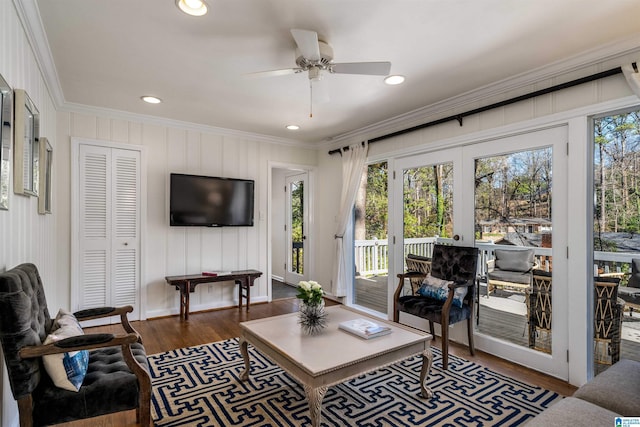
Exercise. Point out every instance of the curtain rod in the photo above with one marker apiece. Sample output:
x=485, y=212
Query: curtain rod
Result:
x=460, y=116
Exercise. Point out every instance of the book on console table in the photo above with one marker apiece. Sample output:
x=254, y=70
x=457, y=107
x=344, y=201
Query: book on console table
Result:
x=364, y=328
x=212, y=273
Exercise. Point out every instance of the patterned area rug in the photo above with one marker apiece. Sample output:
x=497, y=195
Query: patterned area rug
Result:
x=200, y=386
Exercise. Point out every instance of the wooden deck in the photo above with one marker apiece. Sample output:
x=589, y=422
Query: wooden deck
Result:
x=499, y=315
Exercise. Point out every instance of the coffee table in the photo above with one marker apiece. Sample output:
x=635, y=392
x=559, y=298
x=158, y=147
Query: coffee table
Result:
x=333, y=356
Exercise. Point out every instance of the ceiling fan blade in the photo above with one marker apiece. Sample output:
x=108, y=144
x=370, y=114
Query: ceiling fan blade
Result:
x=273, y=73
x=371, y=68
x=307, y=42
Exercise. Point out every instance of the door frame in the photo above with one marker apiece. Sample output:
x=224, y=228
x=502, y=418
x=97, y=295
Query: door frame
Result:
x=75, y=233
x=298, y=176
x=311, y=174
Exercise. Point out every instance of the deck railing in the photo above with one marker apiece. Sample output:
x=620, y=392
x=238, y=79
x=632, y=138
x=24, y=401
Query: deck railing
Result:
x=372, y=256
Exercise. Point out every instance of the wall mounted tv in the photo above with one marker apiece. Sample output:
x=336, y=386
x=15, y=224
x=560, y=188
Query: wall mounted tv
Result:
x=208, y=201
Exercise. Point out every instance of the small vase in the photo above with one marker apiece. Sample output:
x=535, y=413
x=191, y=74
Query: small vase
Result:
x=312, y=318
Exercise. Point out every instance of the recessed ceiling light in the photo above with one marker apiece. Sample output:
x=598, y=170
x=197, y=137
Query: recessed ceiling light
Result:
x=394, y=80
x=151, y=99
x=293, y=127
x=192, y=7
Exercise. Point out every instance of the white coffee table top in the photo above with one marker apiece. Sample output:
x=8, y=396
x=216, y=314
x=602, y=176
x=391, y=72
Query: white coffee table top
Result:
x=332, y=348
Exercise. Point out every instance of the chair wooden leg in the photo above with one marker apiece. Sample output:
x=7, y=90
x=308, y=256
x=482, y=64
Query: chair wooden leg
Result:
x=144, y=405
x=25, y=408
x=445, y=346
x=472, y=347
x=432, y=329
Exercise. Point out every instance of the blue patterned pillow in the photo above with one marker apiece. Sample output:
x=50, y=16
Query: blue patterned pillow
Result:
x=67, y=370
x=438, y=289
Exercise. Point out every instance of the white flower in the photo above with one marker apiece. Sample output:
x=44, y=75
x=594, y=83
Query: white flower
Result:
x=315, y=286
x=305, y=285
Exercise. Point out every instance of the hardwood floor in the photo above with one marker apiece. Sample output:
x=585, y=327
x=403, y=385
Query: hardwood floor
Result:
x=169, y=333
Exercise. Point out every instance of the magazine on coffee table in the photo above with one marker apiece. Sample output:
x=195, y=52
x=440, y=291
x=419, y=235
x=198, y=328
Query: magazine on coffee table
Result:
x=364, y=328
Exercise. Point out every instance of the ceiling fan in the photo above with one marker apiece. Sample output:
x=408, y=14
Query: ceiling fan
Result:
x=315, y=57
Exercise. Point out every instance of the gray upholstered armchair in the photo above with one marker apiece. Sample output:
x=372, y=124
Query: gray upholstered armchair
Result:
x=117, y=377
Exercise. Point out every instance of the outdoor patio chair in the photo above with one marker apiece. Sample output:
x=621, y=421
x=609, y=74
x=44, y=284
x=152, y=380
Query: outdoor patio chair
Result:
x=539, y=313
x=446, y=295
x=417, y=269
x=510, y=269
x=608, y=312
x=631, y=293
x=48, y=388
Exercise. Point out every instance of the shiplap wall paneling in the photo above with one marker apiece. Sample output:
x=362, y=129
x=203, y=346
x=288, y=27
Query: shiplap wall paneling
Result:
x=211, y=151
x=160, y=297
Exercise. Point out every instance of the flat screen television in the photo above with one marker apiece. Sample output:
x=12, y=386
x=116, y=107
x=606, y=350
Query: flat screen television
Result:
x=209, y=201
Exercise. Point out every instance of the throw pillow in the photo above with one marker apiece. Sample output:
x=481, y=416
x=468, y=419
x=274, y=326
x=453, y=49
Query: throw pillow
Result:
x=67, y=370
x=438, y=289
x=516, y=260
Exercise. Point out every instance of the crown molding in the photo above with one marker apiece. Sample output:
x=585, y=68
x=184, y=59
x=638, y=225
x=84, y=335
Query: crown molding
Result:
x=71, y=107
x=29, y=16
x=601, y=54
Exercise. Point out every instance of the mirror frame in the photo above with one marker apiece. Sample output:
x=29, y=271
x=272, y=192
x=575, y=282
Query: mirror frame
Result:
x=46, y=164
x=26, y=149
x=6, y=141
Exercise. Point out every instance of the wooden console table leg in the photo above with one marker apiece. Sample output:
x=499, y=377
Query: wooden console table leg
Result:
x=239, y=282
x=244, y=291
x=244, y=375
x=314, y=397
x=427, y=360
x=249, y=282
x=186, y=289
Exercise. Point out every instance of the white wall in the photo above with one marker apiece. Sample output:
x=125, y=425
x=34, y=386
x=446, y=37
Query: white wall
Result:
x=184, y=250
x=26, y=236
x=571, y=107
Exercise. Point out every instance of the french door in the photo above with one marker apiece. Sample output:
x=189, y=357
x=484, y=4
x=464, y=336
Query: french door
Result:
x=502, y=193
x=297, y=213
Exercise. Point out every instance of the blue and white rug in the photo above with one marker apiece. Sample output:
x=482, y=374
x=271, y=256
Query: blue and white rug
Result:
x=200, y=386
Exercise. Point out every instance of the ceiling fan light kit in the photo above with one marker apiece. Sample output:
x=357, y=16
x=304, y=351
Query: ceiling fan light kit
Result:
x=192, y=7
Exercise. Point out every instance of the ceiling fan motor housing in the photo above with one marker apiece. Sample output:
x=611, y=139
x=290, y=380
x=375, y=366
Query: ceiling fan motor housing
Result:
x=326, y=56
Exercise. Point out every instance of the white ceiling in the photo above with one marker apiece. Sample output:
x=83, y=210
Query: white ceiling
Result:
x=108, y=53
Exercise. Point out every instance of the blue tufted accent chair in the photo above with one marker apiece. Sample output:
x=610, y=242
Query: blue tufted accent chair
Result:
x=453, y=263
x=117, y=378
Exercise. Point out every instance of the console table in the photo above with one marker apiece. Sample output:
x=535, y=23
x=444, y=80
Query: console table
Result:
x=187, y=284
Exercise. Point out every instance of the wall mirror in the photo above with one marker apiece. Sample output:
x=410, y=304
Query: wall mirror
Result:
x=44, y=184
x=26, y=149
x=6, y=140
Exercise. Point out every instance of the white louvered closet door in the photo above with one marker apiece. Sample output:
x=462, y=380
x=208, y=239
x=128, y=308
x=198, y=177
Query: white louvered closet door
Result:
x=109, y=228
